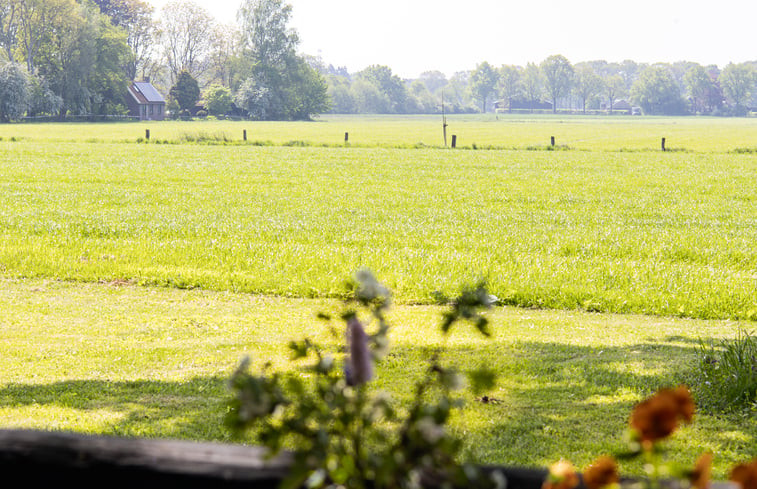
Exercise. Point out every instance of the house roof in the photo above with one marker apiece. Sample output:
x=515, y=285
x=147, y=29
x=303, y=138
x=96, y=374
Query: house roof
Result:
x=146, y=93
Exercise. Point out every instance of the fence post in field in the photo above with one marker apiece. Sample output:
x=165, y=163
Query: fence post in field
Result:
x=454, y=140
x=346, y=137
x=552, y=140
x=663, y=144
x=244, y=134
x=147, y=134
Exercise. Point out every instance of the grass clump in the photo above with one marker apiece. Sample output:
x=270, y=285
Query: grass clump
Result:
x=726, y=374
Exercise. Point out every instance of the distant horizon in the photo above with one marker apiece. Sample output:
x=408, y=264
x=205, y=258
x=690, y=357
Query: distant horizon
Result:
x=441, y=36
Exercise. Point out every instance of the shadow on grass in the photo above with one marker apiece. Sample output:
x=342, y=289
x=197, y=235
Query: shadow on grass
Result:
x=191, y=409
x=552, y=400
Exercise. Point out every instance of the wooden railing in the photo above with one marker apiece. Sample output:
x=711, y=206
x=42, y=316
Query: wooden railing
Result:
x=36, y=459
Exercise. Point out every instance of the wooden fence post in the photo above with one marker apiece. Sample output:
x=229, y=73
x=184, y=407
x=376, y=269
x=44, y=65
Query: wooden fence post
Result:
x=244, y=134
x=663, y=144
x=147, y=134
x=454, y=140
x=346, y=137
x=552, y=140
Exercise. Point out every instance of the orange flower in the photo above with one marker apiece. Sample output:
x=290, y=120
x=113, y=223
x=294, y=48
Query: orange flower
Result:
x=562, y=475
x=745, y=474
x=657, y=417
x=700, y=476
x=601, y=473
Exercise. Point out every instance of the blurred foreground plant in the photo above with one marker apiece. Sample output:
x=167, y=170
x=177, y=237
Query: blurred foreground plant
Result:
x=651, y=422
x=343, y=434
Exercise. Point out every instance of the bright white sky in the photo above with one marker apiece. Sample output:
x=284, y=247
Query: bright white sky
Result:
x=413, y=36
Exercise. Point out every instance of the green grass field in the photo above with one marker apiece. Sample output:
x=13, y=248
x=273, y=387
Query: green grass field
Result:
x=137, y=361
x=616, y=133
x=100, y=238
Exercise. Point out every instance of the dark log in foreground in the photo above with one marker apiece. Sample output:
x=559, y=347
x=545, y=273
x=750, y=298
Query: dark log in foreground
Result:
x=35, y=459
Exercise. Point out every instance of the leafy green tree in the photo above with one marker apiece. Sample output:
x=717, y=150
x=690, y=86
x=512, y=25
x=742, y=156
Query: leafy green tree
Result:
x=136, y=18
x=38, y=21
x=509, y=85
x=738, y=83
x=218, y=100
x=388, y=84
x=532, y=83
x=14, y=91
x=306, y=93
x=266, y=38
x=482, y=83
x=657, y=92
x=587, y=84
x=10, y=11
x=342, y=101
x=459, y=91
x=368, y=98
x=558, y=77
x=276, y=77
x=613, y=87
x=185, y=91
x=421, y=100
x=433, y=80
x=698, y=84
x=82, y=59
x=42, y=100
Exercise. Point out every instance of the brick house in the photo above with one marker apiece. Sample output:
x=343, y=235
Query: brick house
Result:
x=146, y=102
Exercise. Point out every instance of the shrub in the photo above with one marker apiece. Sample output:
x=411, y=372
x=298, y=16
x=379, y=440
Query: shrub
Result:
x=345, y=435
x=726, y=374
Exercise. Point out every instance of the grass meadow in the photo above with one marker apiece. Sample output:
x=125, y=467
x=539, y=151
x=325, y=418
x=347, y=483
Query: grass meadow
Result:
x=133, y=276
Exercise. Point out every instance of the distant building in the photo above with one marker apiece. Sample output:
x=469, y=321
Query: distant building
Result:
x=146, y=102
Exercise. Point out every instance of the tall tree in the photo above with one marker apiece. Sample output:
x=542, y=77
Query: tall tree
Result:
x=657, y=92
x=388, y=84
x=10, y=11
x=614, y=87
x=277, y=77
x=532, y=83
x=738, y=83
x=698, y=84
x=185, y=91
x=223, y=58
x=136, y=18
x=266, y=37
x=433, y=80
x=558, y=77
x=38, y=19
x=482, y=83
x=187, y=31
x=14, y=91
x=509, y=85
x=587, y=83
x=82, y=58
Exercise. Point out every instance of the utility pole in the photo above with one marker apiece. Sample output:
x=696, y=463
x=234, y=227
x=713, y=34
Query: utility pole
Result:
x=444, y=121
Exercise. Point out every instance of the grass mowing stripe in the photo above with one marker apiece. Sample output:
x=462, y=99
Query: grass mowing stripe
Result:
x=667, y=234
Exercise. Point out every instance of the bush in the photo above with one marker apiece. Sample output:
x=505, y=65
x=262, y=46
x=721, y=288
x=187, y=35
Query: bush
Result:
x=344, y=433
x=726, y=374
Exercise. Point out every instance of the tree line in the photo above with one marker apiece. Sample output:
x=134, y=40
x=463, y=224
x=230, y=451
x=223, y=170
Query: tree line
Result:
x=72, y=57
x=554, y=84
x=75, y=57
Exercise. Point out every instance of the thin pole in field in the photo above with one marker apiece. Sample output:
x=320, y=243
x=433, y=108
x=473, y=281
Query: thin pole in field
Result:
x=444, y=121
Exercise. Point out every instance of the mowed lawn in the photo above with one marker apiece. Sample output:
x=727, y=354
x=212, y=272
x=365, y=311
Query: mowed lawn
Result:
x=126, y=360
x=133, y=277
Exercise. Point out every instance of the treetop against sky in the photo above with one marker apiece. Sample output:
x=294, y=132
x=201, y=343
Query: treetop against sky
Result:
x=413, y=37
